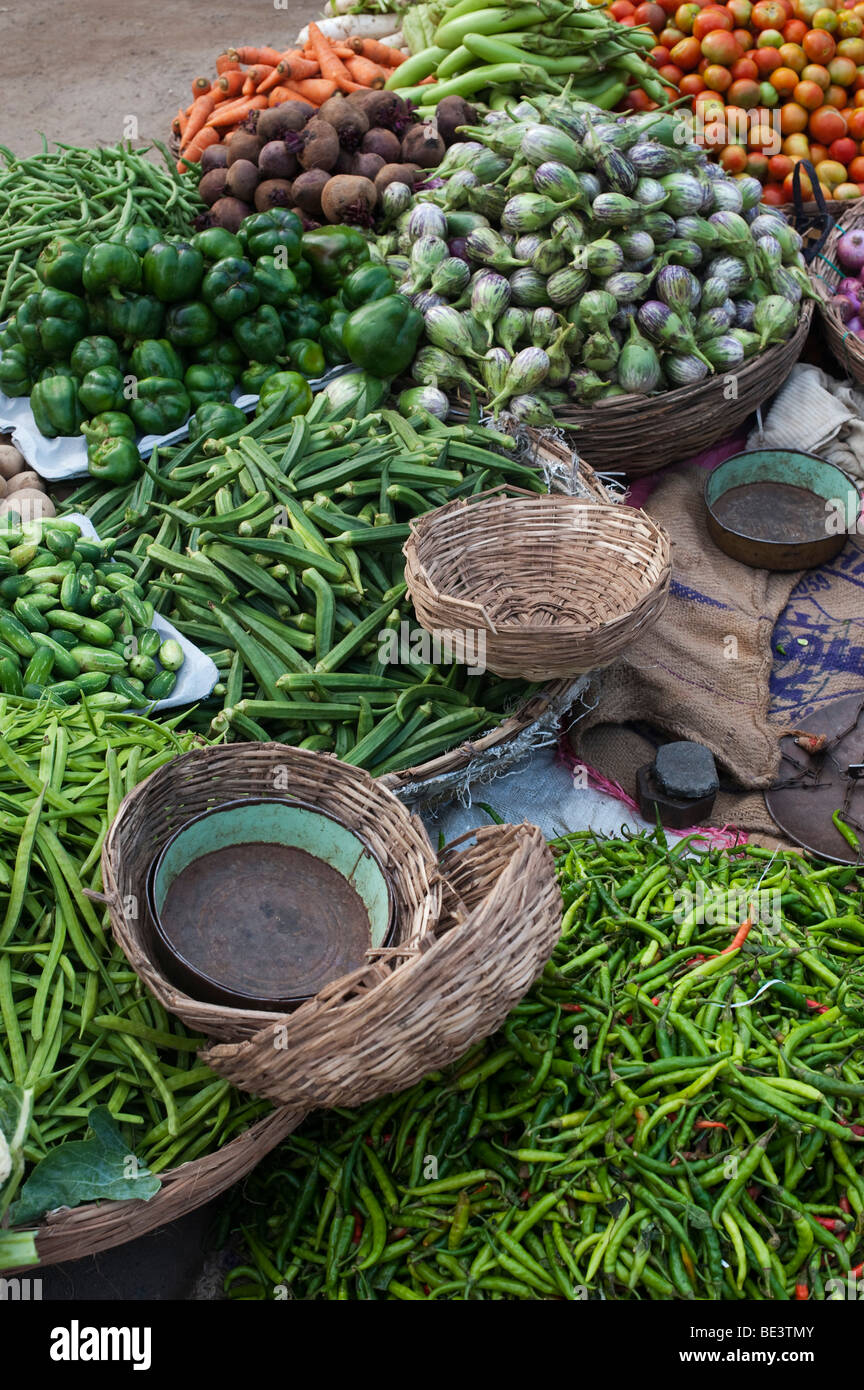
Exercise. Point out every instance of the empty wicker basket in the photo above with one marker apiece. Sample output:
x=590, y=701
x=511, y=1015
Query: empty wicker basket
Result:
x=553, y=585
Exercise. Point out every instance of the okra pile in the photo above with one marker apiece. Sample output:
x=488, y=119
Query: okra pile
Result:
x=674, y=1111
x=74, y=622
x=278, y=551
x=81, y=1039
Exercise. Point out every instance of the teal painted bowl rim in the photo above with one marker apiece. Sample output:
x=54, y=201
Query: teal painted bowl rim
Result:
x=711, y=495
x=191, y=976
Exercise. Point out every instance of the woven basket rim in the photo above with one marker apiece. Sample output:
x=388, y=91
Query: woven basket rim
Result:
x=848, y=350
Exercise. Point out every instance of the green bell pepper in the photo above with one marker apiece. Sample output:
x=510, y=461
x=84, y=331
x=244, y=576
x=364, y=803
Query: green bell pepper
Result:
x=138, y=238
x=155, y=357
x=382, y=336
x=216, y=420
x=172, y=271
x=307, y=357
x=208, y=383
x=217, y=244
x=264, y=231
x=303, y=270
x=130, y=317
x=333, y=252
x=161, y=405
x=15, y=374
x=60, y=264
x=102, y=389
x=223, y=352
x=277, y=285
x=110, y=423
x=303, y=319
x=259, y=335
x=190, y=325
x=97, y=351
x=56, y=407
x=51, y=322
x=331, y=339
x=110, y=267
x=229, y=289
x=296, y=391
x=366, y=283
x=115, y=460
x=255, y=375
x=58, y=369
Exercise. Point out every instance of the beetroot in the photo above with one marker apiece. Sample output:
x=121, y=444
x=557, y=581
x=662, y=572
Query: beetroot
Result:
x=243, y=145
x=367, y=165
x=214, y=157
x=308, y=189
x=349, y=200
x=212, y=186
x=273, y=193
x=228, y=213
x=276, y=161
x=383, y=142
x=242, y=180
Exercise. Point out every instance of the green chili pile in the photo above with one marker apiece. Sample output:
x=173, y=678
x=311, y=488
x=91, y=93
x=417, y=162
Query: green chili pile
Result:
x=78, y=1030
x=84, y=194
x=674, y=1111
x=278, y=550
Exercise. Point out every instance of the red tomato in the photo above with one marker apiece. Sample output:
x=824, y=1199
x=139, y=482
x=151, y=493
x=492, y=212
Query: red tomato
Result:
x=768, y=14
x=817, y=152
x=637, y=100
x=843, y=71
x=794, y=30
x=785, y=80
x=670, y=72
x=814, y=72
x=740, y=10
x=770, y=38
x=712, y=17
x=757, y=166
x=851, y=48
x=717, y=78
x=734, y=159
x=670, y=36
x=686, y=54
x=767, y=60
x=818, y=45
x=721, y=47
x=843, y=150
x=652, y=15
x=788, y=188
x=779, y=166
x=744, y=93
x=685, y=16
x=856, y=169
x=744, y=37
x=793, y=56
x=836, y=96
x=809, y=95
x=773, y=195
x=620, y=8
x=745, y=68
x=691, y=84
x=856, y=124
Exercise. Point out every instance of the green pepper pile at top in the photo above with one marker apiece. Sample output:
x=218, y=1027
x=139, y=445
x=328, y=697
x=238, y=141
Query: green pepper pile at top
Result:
x=133, y=336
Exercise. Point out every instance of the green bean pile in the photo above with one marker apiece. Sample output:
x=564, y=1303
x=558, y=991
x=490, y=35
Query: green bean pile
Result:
x=279, y=552
x=665, y=1115
x=78, y=1027
x=84, y=194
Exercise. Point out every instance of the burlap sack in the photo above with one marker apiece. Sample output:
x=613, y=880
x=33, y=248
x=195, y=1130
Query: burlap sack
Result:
x=703, y=672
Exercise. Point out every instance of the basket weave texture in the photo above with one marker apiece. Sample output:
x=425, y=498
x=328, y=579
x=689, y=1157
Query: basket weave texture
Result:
x=636, y=435
x=381, y=1030
x=826, y=276
x=206, y=777
x=557, y=585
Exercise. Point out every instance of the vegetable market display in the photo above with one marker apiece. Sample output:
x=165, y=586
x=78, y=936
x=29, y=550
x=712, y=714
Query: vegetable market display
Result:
x=280, y=551
x=622, y=261
x=82, y=1042
x=674, y=1111
x=779, y=81
x=83, y=194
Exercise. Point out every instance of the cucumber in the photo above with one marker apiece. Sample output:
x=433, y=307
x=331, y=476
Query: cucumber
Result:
x=66, y=639
x=40, y=601
x=103, y=601
x=15, y=635
x=114, y=618
x=28, y=616
x=149, y=641
x=7, y=566
x=65, y=664
x=60, y=543
x=90, y=550
x=171, y=655
x=23, y=554
x=40, y=667
x=68, y=692
x=70, y=592
x=15, y=585
x=161, y=686
x=144, y=667
x=118, y=581
x=51, y=574
x=133, y=695
x=138, y=609
x=99, y=659
x=91, y=682
x=90, y=630
x=10, y=678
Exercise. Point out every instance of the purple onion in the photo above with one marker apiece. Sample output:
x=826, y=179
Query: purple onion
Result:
x=850, y=286
x=850, y=251
x=855, y=326
x=846, y=307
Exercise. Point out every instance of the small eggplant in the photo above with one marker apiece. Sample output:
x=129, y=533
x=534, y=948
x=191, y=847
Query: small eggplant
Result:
x=490, y=296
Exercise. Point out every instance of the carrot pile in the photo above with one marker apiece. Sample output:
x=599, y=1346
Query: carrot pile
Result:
x=249, y=79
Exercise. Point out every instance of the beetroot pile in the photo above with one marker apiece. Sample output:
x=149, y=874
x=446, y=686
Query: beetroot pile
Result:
x=849, y=296
x=330, y=164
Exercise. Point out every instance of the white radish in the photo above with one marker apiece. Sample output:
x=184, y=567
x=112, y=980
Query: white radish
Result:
x=363, y=26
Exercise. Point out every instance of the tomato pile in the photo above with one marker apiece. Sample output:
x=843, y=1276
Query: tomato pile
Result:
x=773, y=83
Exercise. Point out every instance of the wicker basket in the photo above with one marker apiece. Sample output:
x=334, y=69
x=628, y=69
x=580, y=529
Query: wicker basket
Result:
x=196, y=781
x=556, y=585
x=825, y=274
x=70, y=1234
x=381, y=1029
x=636, y=435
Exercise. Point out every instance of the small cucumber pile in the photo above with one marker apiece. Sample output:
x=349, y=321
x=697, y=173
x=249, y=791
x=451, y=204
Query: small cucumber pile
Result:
x=74, y=622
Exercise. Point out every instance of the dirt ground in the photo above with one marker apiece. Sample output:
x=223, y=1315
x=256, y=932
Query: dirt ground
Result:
x=100, y=63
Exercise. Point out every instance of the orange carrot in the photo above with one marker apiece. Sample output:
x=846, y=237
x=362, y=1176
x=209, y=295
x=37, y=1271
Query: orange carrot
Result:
x=284, y=93
x=427, y=81
x=228, y=86
x=196, y=147
x=200, y=85
x=366, y=73
x=377, y=52
x=258, y=55
x=332, y=68
x=232, y=113
x=178, y=125
x=255, y=75
x=201, y=109
x=342, y=51
x=316, y=90
x=227, y=62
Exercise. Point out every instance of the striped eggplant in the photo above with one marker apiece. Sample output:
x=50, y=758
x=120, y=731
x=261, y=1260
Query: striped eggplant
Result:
x=659, y=225
x=395, y=199
x=566, y=285
x=792, y=282
x=487, y=198
x=616, y=209
x=435, y=366
x=520, y=181
x=541, y=143
x=602, y=257
x=724, y=352
x=615, y=168
x=648, y=157
x=684, y=194
x=596, y=310
x=527, y=369
x=685, y=253
x=476, y=332
x=711, y=323
x=733, y=233
x=446, y=328
x=531, y=410
x=638, y=366
x=683, y=369
x=450, y=277
x=715, y=292
x=460, y=155
x=636, y=245
x=698, y=230
x=428, y=398
x=623, y=316
x=678, y=287
x=726, y=196
x=774, y=319
x=750, y=190
x=749, y=341
x=570, y=228
x=528, y=212
x=427, y=252
x=600, y=352
x=488, y=248
x=666, y=327
x=426, y=299
x=550, y=256
x=544, y=326
x=732, y=271
x=525, y=247
x=493, y=369
x=650, y=192
x=627, y=285
x=490, y=296
x=427, y=220
x=489, y=166
x=561, y=184
x=528, y=290
x=512, y=327
x=455, y=195
x=559, y=357
x=586, y=386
